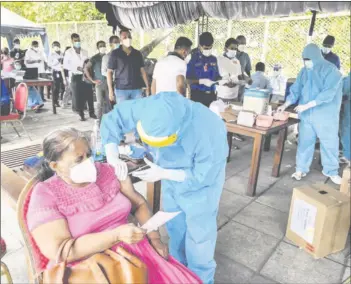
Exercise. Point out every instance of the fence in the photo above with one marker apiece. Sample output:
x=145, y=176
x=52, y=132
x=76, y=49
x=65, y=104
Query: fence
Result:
x=271, y=40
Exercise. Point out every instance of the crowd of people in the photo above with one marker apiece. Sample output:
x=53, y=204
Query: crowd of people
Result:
x=187, y=143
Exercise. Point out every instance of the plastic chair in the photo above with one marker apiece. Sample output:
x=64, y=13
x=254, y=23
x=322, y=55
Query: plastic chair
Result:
x=20, y=105
x=4, y=270
x=36, y=261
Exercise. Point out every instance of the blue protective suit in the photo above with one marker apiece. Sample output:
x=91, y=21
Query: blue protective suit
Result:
x=321, y=84
x=200, y=150
x=345, y=123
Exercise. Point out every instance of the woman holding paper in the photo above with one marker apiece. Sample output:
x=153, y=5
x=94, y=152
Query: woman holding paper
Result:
x=79, y=199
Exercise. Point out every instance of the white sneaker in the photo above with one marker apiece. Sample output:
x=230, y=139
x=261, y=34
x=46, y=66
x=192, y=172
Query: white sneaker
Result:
x=335, y=179
x=298, y=175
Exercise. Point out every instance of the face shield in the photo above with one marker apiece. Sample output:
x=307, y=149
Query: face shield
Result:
x=157, y=142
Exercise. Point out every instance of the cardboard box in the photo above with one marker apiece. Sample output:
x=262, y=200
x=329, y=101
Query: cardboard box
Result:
x=319, y=219
x=345, y=183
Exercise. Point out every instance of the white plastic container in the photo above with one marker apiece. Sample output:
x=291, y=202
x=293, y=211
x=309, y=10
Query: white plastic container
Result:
x=256, y=100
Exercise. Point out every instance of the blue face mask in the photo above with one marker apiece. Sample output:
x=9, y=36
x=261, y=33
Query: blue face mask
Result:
x=117, y=45
x=77, y=44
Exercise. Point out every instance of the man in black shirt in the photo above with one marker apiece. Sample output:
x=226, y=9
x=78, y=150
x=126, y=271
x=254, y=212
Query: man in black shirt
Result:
x=128, y=65
x=17, y=53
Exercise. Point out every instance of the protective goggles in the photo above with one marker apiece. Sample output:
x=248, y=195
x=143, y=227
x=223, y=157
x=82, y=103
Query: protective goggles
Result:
x=156, y=141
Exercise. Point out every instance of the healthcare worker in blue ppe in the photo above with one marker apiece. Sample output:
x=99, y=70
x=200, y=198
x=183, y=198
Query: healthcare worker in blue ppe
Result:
x=318, y=91
x=188, y=144
x=345, y=122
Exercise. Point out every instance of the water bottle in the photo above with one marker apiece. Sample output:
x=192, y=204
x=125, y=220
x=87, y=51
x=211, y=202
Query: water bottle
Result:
x=96, y=145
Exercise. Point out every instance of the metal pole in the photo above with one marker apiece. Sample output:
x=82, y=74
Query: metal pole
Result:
x=313, y=21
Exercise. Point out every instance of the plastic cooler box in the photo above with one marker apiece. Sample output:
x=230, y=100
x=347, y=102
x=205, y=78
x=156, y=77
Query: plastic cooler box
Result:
x=256, y=100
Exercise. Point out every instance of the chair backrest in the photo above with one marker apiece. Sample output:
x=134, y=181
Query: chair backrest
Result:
x=21, y=98
x=37, y=261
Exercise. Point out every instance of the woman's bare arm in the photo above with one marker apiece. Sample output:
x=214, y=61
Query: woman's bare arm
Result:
x=140, y=208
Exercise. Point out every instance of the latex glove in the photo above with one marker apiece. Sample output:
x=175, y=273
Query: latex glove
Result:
x=282, y=108
x=156, y=173
x=112, y=156
x=206, y=82
x=223, y=81
x=302, y=108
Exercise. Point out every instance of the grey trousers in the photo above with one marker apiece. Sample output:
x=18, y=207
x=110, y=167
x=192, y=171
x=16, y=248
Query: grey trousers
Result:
x=103, y=101
x=67, y=95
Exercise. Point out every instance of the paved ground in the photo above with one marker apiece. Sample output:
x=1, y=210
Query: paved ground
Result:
x=251, y=245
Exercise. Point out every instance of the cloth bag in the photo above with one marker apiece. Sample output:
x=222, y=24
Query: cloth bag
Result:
x=107, y=267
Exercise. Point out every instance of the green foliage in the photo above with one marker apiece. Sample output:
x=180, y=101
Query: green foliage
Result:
x=43, y=12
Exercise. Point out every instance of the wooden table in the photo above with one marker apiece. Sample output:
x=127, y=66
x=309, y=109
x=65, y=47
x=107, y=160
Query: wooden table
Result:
x=259, y=134
x=14, y=177
x=41, y=82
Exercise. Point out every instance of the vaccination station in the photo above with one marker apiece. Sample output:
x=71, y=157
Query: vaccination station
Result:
x=169, y=142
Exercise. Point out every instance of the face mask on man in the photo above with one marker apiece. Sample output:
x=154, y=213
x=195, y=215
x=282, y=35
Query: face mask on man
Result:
x=77, y=44
x=188, y=58
x=231, y=53
x=57, y=48
x=35, y=48
x=116, y=46
x=102, y=50
x=207, y=52
x=127, y=42
x=84, y=172
x=18, y=67
x=308, y=64
x=326, y=50
x=277, y=72
x=17, y=46
x=242, y=47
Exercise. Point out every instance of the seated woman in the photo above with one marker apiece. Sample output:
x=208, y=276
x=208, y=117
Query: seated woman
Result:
x=35, y=101
x=80, y=199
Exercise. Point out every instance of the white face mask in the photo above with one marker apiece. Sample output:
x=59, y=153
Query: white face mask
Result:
x=18, y=67
x=35, y=48
x=127, y=42
x=308, y=64
x=326, y=50
x=84, y=172
x=56, y=48
x=17, y=46
x=207, y=52
x=188, y=58
x=102, y=50
x=277, y=72
x=242, y=47
x=231, y=53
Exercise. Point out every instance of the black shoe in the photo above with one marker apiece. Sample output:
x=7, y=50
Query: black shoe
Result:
x=44, y=100
x=93, y=116
x=82, y=118
x=57, y=105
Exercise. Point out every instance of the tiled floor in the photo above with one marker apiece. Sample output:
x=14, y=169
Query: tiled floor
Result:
x=251, y=246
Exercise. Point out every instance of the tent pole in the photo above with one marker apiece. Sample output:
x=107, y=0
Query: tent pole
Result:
x=313, y=21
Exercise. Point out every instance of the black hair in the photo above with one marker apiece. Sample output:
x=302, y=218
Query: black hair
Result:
x=16, y=40
x=54, y=145
x=124, y=31
x=74, y=35
x=231, y=41
x=56, y=43
x=100, y=41
x=112, y=38
x=260, y=66
x=239, y=37
x=206, y=39
x=34, y=42
x=5, y=51
x=183, y=43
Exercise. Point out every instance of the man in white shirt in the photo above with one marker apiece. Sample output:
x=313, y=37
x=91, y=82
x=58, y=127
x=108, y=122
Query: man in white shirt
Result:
x=82, y=92
x=35, y=58
x=229, y=69
x=278, y=83
x=170, y=72
x=55, y=62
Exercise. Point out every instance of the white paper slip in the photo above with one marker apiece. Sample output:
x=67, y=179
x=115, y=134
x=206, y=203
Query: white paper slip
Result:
x=159, y=219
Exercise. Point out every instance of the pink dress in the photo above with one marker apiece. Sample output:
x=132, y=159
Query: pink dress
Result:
x=98, y=207
x=6, y=64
